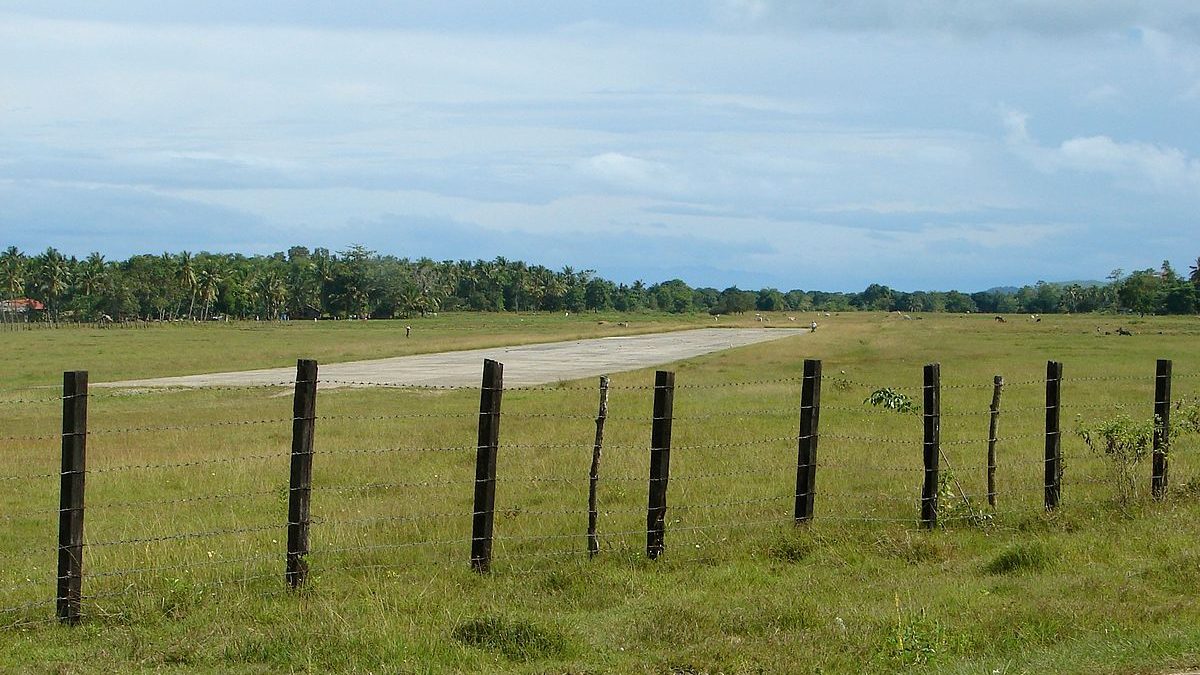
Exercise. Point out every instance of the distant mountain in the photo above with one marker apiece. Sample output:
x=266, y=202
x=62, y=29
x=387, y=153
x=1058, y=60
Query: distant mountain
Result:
x=1086, y=283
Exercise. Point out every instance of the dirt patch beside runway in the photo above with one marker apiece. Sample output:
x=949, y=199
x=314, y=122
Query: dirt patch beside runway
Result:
x=524, y=365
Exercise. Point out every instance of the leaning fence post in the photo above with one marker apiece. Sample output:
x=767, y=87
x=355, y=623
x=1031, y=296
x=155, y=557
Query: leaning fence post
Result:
x=304, y=414
x=993, y=423
x=69, y=596
x=660, y=462
x=932, y=417
x=485, y=465
x=594, y=470
x=1053, y=477
x=1162, y=428
x=806, y=457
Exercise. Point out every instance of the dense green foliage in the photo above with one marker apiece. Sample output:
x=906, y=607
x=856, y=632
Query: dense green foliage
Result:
x=362, y=283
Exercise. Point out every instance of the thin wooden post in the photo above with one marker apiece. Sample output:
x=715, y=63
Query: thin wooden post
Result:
x=69, y=596
x=932, y=417
x=993, y=425
x=1053, y=477
x=483, y=515
x=594, y=471
x=1162, y=428
x=304, y=418
x=660, y=462
x=806, y=457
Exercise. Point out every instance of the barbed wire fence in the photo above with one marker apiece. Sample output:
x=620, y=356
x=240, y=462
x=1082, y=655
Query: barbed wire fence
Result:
x=406, y=478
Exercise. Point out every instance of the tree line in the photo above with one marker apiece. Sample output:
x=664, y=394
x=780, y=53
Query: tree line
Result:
x=359, y=283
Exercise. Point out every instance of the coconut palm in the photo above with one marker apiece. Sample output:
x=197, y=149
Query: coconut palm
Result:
x=54, y=274
x=208, y=283
x=90, y=274
x=185, y=274
x=271, y=292
x=12, y=272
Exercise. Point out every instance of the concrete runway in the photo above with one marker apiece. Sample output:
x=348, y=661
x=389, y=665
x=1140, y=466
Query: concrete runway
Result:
x=525, y=365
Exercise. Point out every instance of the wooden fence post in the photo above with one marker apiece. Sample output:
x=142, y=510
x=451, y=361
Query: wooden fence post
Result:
x=993, y=424
x=594, y=470
x=304, y=417
x=806, y=457
x=483, y=515
x=1162, y=428
x=932, y=417
x=69, y=596
x=660, y=462
x=1053, y=477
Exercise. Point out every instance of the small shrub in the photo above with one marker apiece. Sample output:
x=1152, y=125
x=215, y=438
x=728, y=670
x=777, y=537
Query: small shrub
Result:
x=515, y=640
x=1125, y=443
x=890, y=399
x=1020, y=558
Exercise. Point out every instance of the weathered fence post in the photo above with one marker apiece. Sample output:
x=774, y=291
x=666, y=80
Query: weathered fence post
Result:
x=660, y=462
x=594, y=471
x=993, y=424
x=1053, y=477
x=304, y=418
x=806, y=457
x=1162, y=428
x=69, y=596
x=483, y=515
x=932, y=417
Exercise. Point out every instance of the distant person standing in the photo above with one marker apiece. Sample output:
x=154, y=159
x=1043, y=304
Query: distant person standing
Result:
x=812, y=328
x=408, y=331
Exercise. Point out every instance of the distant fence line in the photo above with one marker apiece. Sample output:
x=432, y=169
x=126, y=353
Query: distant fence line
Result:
x=805, y=502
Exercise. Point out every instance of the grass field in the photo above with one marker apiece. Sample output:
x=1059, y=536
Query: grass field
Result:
x=187, y=495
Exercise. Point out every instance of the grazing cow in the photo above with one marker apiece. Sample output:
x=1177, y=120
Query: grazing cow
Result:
x=1001, y=319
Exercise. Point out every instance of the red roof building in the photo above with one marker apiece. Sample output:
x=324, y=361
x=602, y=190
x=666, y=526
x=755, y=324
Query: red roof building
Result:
x=21, y=305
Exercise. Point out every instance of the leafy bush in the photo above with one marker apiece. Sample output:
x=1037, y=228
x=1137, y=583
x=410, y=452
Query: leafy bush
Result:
x=1125, y=442
x=890, y=399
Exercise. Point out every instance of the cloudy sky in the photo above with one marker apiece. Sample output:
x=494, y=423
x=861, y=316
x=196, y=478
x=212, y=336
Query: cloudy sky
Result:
x=800, y=144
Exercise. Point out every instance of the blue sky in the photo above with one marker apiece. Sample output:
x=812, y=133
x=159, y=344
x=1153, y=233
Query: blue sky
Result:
x=958, y=144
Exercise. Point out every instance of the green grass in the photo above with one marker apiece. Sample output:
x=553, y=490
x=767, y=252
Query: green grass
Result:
x=1090, y=588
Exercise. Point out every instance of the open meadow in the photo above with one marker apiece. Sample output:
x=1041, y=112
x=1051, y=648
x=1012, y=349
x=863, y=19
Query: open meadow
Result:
x=187, y=495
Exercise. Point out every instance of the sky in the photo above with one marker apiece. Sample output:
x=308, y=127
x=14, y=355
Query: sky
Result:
x=820, y=144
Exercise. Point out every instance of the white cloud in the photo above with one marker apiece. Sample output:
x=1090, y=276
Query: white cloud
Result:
x=1138, y=165
x=640, y=175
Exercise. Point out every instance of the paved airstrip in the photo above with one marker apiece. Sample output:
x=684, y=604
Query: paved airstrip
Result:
x=524, y=365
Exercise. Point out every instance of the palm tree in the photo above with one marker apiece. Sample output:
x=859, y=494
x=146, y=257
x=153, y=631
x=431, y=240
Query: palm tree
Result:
x=54, y=274
x=323, y=269
x=90, y=274
x=12, y=272
x=208, y=282
x=271, y=292
x=185, y=274
x=1194, y=277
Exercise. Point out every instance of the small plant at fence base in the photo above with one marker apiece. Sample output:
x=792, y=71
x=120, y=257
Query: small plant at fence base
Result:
x=955, y=504
x=1125, y=442
x=890, y=399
